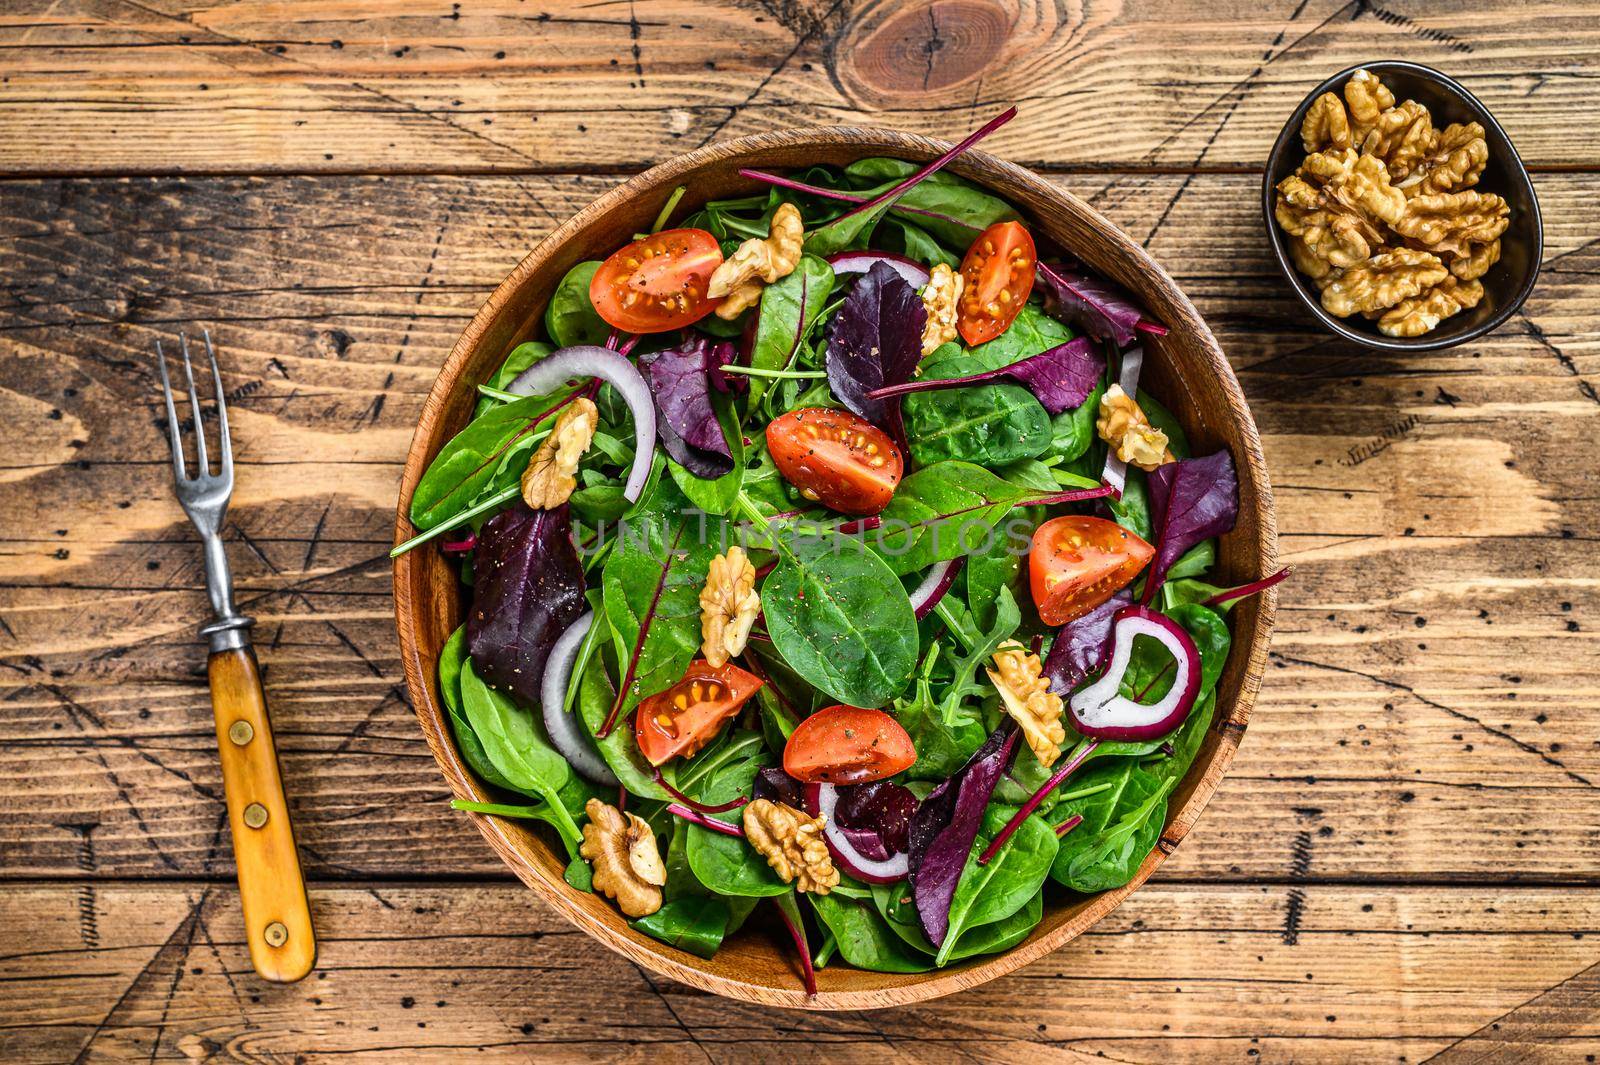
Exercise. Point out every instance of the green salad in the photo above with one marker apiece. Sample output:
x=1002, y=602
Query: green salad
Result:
x=825, y=550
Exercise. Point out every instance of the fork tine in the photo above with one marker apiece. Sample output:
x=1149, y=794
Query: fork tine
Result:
x=223, y=441
x=194, y=404
x=172, y=417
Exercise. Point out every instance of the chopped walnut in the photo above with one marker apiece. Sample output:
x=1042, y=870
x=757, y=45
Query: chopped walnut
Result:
x=939, y=298
x=729, y=604
x=793, y=845
x=1326, y=125
x=548, y=481
x=1473, y=263
x=1402, y=138
x=1451, y=222
x=1383, y=281
x=1026, y=695
x=1456, y=162
x=1122, y=424
x=1419, y=314
x=627, y=865
x=1319, y=270
x=1367, y=97
x=757, y=263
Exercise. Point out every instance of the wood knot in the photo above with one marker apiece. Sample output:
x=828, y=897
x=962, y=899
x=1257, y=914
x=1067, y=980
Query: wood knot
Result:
x=902, y=52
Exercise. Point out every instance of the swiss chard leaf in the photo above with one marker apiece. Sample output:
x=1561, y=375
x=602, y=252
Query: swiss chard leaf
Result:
x=789, y=310
x=875, y=340
x=570, y=318
x=942, y=511
x=993, y=892
x=1190, y=500
x=527, y=589
x=680, y=384
x=1080, y=645
x=841, y=620
x=471, y=459
x=1059, y=378
x=989, y=424
x=1096, y=306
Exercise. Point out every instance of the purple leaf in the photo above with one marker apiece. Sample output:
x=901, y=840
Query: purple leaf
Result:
x=1060, y=378
x=1080, y=645
x=876, y=341
x=1190, y=500
x=876, y=817
x=681, y=380
x=946, y=826
x=1098, y=307
x=527, y=589
x=774, y=785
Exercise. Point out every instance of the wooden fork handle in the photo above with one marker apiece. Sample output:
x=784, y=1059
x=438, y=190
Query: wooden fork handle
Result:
x=277, y=916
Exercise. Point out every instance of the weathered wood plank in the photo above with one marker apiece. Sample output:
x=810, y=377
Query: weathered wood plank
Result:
x=1431, y=714
x=1177, y=974
x=104, y=86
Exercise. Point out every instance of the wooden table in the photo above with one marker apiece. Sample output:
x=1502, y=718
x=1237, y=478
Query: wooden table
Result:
x=1402, y=865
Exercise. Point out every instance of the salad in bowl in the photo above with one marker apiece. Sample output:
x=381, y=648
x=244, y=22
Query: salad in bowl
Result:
x=825, y=551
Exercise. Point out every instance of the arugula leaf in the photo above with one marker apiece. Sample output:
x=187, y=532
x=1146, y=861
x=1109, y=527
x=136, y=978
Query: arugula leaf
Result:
x=789, y=310
x=941, y=748
x=965, y=669
x=570, y=318
x=1032, y=333
x=841, y=620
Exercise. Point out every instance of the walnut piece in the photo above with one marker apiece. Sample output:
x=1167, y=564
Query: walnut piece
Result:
x=1358, y=183
x=627, y=865
x=1339, y=238
x=1456, y=162
x=1452, y=222
x=1326, y=125
x=757, y=263
x=939, y=298
x=1122, y=424
x=1419, y=314
x=548, y=481
x=1383, y=281
x=1473, y=263
x=1402, y=138
x=1367, y=97
x=1026, y=696
x=1319, y=270
x=793, y=845
x=729, y=604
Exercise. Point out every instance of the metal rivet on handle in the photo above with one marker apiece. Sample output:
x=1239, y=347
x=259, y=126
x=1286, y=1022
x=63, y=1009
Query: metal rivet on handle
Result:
x=241, y=733
x=276, y=934
x=255, y=815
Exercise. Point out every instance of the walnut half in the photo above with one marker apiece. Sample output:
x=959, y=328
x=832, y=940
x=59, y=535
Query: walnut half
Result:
x=793, y=845
x=1419, y=314
x=939, y=298
x=758, y=262
x=1026, y=695
x=549, y=479
x=627, y=865
x=729, y=604
x=1383, y=281
x=1122, y=425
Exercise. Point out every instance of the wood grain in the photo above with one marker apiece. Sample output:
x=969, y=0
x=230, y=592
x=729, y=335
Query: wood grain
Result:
x=107, y=86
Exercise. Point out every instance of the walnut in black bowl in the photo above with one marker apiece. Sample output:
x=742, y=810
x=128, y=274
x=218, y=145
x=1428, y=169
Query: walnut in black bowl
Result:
x=1411, y=222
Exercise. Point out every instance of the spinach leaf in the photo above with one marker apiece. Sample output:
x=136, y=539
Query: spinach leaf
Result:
x=470, y=460
x=1000, y=567
x=789, y=310
x=863, y=936
x=1000, y=935
x=1195, y=561
x=695, y=923
x=725, y=864
x=1033, y=332
x=1072, y=431
x=1108, y=856
x=1132, y=510
x=1187, y=740
x=516, y=747
x=942, y=511
x=959, y=209
x=1211, y=639
x=989, y=424
x=570, y=318
x=452, y=656
x=522, y=356
x=841, y=620
x=620, y=749
x=1163, y=419
x=993, y=892
x=905, y=237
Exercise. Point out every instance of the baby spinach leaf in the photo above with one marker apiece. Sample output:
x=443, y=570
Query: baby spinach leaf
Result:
x=993, y=892
x=452, y=656
x=522, y=356
x=725, y=864
x=1167, y=422
x=996, y=936
x=989, y=424
x=1211, y=639
x=1032, y=333
x=1187, y=740
x=841, y=620
x=1132, y=509
x=467, y=463
x=905, y=237
x=570, y=318
x=620, y=749
x=863, y=936
x=789, y=310
x=942, y=511
x=515, y=745
x=695, y=923
x=1108, y=856
x=1195, y=561
x=1072, y=431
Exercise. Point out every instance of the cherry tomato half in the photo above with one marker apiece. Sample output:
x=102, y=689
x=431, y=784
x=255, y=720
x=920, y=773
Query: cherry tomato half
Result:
x=843, y=462
x=1076, y=563
x=658, y=282
x=688, y=715
x=847, y=745
x=998, y=272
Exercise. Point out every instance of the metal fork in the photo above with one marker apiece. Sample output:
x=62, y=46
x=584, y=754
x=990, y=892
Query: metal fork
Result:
x=276, y=914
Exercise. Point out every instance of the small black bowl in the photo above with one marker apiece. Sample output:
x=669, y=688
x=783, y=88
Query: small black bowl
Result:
x=1507, y=283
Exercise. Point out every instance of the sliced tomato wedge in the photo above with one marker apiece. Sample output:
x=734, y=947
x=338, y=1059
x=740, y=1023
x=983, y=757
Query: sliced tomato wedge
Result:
x=658, y=282
x=847, y=745
x=835, y=458
x=1076, y=563
x=998, y=275
x=688, y=715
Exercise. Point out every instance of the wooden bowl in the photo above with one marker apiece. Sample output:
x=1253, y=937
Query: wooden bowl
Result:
x=1185, y=369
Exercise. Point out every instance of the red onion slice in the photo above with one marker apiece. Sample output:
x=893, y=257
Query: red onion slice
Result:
x=1098, y=710
x=566, y=731
x=859, y=262
x=1116, y=472
x=926, y=596
x=821, y=800
x=585, y=360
